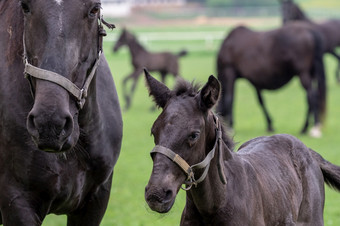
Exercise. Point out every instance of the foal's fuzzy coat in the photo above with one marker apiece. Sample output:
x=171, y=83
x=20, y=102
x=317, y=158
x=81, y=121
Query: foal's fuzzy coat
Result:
x=273, y=180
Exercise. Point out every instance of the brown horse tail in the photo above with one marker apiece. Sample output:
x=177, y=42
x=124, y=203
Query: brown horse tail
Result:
x=182, y=53
x=319, y=71
x=331, y=172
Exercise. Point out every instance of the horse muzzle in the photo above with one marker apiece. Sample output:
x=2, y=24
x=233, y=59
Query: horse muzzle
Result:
x=158, y=199
x=54, y=133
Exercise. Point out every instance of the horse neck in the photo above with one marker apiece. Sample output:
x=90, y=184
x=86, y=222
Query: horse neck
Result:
x=302, y=16
x=11, y=19
x=135, y=47
x=11, y=47
x=89, y=113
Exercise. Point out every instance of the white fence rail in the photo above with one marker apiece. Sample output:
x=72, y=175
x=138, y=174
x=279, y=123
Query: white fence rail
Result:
x=208, y=38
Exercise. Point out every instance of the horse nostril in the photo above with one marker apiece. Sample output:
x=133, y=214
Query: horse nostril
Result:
x=31, y=126
x=68, y=127
x=40, y=126
x=168, y=194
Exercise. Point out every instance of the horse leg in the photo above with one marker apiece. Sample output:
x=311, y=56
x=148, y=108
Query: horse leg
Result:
x=264, y=109
x=163, y=76
x=18, y=212
x=306, y=82
x=125, y=94
x=227, y=78
x=94, y=209
x=128, y=95
x=337, y=73
x=132, y=91
x=305, y=126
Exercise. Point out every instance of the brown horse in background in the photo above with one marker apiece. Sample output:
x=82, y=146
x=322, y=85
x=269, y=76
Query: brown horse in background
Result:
x=163, y=62
x=269, y=60
x=329, y=29
x=274, y=180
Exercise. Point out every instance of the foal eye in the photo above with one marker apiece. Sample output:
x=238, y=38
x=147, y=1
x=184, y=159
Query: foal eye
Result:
x=194, y=136
x=94, y=11
x=25, y=7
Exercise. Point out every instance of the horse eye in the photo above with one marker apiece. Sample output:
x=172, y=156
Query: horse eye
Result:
x=194, y=136
x=25, y=7
x=94, y=11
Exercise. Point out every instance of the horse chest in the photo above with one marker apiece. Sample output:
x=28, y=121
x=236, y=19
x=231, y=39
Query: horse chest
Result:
x=64, y=182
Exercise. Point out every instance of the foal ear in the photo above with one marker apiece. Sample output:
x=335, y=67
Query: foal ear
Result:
x=210, y=93
x=160, y=93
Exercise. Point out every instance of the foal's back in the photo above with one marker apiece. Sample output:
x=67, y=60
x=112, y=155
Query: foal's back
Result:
x=162, y=61
x=285, y=177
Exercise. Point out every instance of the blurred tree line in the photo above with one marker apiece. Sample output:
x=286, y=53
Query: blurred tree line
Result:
x=218, y=3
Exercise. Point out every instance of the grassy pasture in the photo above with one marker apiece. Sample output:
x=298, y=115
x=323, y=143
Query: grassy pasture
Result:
x=287, y=107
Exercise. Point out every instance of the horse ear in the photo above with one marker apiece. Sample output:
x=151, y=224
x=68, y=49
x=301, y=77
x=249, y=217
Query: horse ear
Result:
x=210, y=93
x=160, y=93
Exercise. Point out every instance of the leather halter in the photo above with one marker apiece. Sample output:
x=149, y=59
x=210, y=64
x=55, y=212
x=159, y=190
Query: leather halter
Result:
x=79, y=93
x=205, y=164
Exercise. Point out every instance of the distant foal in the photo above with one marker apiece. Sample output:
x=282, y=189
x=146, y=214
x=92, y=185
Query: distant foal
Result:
x=163, y=62
x=270, y=181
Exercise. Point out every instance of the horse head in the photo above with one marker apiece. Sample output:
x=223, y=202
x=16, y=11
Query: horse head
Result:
x=184, y=130
x=124, y=38
x=291, y=11
x=62, y=46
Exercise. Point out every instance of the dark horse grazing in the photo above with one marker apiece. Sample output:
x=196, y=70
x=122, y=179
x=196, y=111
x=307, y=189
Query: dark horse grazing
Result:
x=272, y=180
x=329, y=29
x=163, y=62
x=269, y=60
x=58, y=142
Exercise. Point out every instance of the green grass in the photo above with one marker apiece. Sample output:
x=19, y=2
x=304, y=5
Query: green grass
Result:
x=287, y=107
x=316, y=9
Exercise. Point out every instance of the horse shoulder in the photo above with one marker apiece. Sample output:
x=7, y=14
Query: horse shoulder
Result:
x=103, y=135
x=237, y=36
x=243, y=46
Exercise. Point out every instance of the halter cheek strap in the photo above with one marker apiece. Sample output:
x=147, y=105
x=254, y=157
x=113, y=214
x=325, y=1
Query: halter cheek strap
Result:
x=79, y=93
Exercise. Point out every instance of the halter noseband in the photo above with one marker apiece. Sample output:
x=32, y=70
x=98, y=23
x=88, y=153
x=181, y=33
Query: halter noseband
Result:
x=79, y=93
x=205, y=164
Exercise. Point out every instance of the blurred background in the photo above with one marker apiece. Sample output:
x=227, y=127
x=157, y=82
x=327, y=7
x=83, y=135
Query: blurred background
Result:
x=199, y=26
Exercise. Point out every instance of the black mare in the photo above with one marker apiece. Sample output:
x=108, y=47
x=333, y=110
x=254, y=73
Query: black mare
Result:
x=60, y=129
x=271, y=180
x=163, y=62
x=330, y=29
x=269, y=60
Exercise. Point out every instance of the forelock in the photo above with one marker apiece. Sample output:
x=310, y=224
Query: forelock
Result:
x=184, y=87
